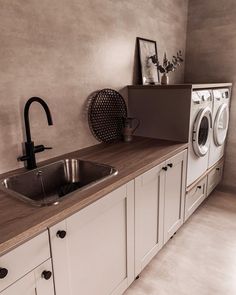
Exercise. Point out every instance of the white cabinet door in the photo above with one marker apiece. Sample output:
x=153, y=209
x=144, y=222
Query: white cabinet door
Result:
x=149, y=198
x=175, y=184
x=36, y=282
x=97, y=254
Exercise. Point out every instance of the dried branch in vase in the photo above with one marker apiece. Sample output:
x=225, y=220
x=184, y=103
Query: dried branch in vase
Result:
x=168, y=66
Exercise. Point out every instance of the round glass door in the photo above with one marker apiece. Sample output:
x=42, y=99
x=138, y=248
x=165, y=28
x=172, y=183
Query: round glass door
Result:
x=201, y=132
x=221, y=124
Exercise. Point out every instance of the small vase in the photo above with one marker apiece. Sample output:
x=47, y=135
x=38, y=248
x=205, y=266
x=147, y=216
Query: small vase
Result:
x=165, y=79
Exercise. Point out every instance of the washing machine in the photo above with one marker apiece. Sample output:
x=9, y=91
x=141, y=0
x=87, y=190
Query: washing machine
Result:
x=200, y=133
x=220, y=116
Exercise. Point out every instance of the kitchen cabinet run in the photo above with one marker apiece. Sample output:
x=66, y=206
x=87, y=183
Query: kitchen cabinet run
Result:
x=93, y=250
x=101, y=248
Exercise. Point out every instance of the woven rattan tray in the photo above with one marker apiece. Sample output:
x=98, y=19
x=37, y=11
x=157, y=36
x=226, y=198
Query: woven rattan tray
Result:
x=106, y=113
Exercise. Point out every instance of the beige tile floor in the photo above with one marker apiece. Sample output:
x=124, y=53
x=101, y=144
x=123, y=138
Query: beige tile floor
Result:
x=201, y=257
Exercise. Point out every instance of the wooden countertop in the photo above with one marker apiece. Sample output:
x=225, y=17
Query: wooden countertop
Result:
x=20, y=221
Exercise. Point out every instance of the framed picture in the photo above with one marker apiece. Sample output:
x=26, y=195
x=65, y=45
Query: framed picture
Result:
x=149, y=72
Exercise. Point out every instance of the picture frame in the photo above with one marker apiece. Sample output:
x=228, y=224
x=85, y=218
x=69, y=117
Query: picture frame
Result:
x=149, y=71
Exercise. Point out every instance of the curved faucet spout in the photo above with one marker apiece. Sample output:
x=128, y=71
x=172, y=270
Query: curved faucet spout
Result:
x=26, y=114
x=30, y=148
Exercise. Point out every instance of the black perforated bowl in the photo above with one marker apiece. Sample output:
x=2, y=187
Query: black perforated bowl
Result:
x=105, y=115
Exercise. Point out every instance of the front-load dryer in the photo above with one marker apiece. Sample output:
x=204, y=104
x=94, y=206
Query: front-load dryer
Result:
x=200, y=132
x=220, y=115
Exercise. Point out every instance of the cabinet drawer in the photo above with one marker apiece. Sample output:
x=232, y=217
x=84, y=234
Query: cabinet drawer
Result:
x=195, y=197
x=33, y=283
x=214, y=177
x=24, y=258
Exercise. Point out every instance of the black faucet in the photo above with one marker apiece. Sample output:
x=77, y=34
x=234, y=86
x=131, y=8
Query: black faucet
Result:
x=30, y=149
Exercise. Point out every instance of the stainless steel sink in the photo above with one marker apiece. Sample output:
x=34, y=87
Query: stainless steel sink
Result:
x=50, y=184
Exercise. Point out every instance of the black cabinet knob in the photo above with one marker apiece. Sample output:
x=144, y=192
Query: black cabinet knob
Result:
x=170, y=165
x=46, y=274
x=217, y=169
x=164, y=168
x=61, y=234
x=3, y=272
x=199, y=186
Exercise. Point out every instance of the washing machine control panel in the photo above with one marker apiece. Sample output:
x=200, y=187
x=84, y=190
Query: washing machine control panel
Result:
x=220, y=94
x=201, y=96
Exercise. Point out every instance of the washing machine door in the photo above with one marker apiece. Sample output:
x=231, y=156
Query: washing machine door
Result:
x=221, y=124
x=202, y=131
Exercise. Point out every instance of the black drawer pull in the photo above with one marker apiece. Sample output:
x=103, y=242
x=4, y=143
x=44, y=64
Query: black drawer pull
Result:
x=61, y=234
x=164, y=168
x=199, y=186
x=3, y=272
x=46, y=274
x=170, y=165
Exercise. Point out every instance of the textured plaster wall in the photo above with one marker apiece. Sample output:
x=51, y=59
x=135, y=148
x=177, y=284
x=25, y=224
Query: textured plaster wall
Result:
x=64, y=50
x=211, y=48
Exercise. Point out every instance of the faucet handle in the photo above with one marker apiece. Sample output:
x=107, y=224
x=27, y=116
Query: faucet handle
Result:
x=22, y=158
x=48, y=148
x=41, y=148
